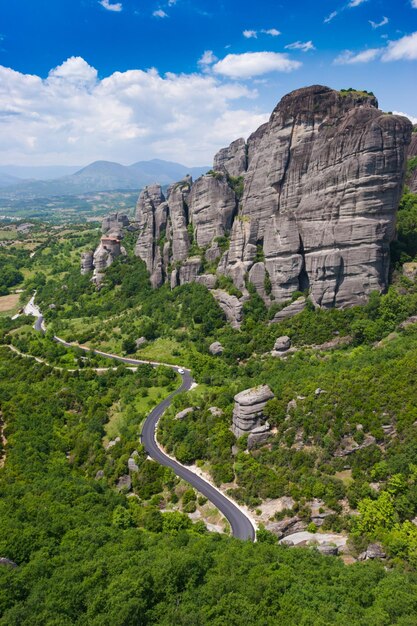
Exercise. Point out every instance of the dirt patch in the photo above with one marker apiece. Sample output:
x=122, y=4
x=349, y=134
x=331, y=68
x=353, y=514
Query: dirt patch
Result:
x=8, y=303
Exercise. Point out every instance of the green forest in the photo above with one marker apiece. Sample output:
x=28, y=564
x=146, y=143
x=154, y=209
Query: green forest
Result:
x=95, y=532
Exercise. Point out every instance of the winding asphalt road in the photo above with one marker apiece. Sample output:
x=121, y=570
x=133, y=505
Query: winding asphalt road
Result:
x=241, y=525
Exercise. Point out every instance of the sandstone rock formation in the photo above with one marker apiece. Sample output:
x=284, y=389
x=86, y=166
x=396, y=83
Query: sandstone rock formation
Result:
x=248, y=410
x=258, y=435
x=184, y=413
x=231, y=305
x=321, y=190
x=412, y=154
x=114, y=222
x=233, y=159
x=289, y=311
x=87, y=264
x=216, y=348
x=282, y=344
x=108, y=250
x=212, y=205
x=322, y=181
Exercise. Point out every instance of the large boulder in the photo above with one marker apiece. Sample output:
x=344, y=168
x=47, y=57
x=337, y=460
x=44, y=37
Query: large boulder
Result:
x=216, y=348
x=231, y=305
x=248, y=412
x=282, y=344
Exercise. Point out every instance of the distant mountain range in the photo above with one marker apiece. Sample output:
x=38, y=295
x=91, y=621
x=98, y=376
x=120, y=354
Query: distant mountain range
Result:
x=98, y=176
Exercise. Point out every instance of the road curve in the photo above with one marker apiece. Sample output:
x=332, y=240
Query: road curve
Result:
x=241, y=525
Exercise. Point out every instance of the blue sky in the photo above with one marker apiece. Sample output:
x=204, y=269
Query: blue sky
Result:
x=177, y=79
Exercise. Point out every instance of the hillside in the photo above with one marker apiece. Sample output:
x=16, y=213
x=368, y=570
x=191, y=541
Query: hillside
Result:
x=100, y=176
x=303, y=412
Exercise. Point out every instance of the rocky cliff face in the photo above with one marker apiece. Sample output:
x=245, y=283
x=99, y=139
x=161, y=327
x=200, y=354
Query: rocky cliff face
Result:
x=321, y=192
x=321, y=185
x=412, y=154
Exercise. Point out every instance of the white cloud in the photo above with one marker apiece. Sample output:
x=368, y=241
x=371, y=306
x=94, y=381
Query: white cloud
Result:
x=172, y=2
x=414, y=4
x=73, y=116
x=412, y=118
x=330, y=17
x=74, y=71
x=208, y=58
x=299, y=45
x=355, y=3
x=273, y=32
x=349, y=58
x=383, y=22
x=117, y=6
x=251, y=64
x=160, y=13
x=402, y=49
x=253, y=34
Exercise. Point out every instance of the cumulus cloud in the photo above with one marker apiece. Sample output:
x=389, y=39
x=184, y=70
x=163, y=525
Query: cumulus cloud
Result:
x=383, y=22
x=74, y=71
x=402, y=49
x=117, y=6
x=250, y=34
x=299, y=45
x=412, y=118
x=160, y=13
x=73, y=116
x=251, y=64
x=350, y=58
x=208, y=58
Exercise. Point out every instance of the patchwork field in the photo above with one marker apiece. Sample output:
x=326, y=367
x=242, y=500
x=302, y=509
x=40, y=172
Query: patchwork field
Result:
x=9, y=303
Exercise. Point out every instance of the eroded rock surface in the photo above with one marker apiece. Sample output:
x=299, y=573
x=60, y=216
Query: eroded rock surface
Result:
x=321, y=191
x=108, y=250
x=231, y=305
x=412, y=154
x=321, y=185
x=248, y=412
x=216, y=348
x=233, y=159
x=87, y=264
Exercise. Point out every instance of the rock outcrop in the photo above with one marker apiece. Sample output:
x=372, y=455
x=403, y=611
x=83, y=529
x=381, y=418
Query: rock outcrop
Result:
x=108, y=250
x=114, y=222
x=412, y=154
x=232, y=160
x=321, y=191
x=231, y=305
x=282, y=344
x=321, y=185
x=248, y=410
x=216, y=348
x=212, y=206
x=87, y=264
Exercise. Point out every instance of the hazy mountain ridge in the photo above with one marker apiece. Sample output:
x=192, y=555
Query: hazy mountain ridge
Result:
x=97, y=176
